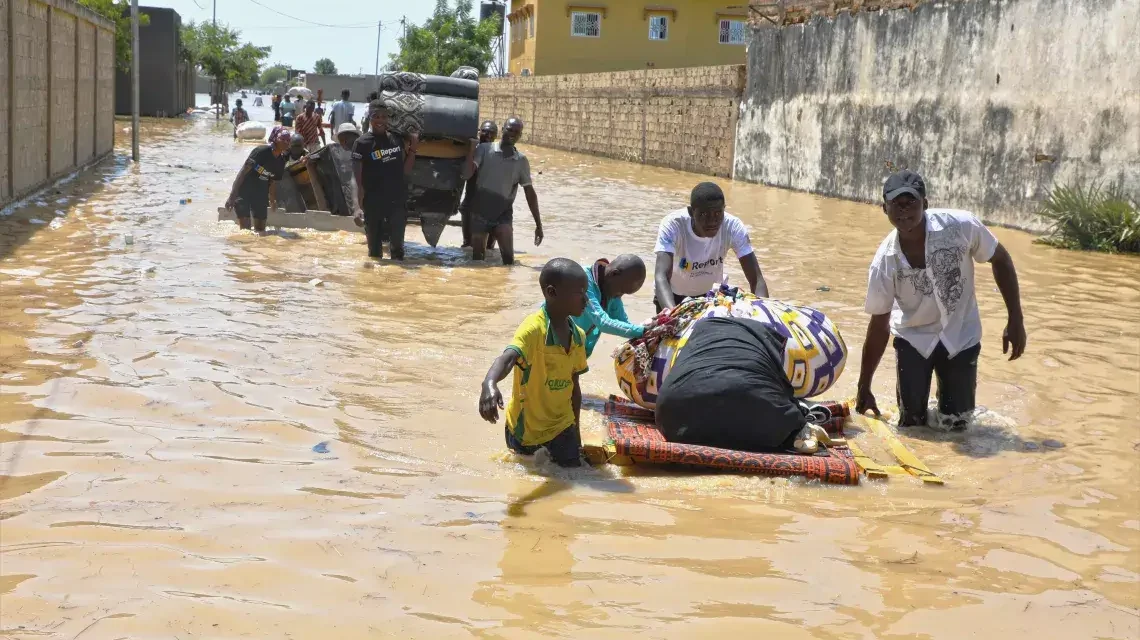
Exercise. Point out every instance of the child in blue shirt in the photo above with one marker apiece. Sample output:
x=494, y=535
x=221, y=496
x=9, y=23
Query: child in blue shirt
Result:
x=607, y=282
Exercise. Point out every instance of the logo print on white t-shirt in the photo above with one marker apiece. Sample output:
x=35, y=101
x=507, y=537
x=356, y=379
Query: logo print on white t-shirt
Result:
x=687, y=265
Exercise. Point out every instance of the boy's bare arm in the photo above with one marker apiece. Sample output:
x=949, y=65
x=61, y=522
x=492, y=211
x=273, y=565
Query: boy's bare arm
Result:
x=490, y=398
x=576, y=401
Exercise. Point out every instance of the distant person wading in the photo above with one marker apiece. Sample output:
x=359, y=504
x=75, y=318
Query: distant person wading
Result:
x=308, y=124
x=288, y=111
x=342, y=111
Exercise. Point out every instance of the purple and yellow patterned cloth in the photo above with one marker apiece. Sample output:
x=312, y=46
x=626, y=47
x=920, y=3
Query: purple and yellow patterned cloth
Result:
x=814, y=355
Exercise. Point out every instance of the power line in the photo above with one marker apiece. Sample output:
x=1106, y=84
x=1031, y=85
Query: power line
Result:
x=318, y=24
x=306, y=26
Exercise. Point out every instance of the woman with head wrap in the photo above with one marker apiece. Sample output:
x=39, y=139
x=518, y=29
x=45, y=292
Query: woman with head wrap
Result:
x=254, y=190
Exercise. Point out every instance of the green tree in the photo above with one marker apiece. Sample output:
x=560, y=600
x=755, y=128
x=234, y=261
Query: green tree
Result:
x=325, y=67
x=449, y=39
x=121, y=15
x=218, y=52
x=274, y=74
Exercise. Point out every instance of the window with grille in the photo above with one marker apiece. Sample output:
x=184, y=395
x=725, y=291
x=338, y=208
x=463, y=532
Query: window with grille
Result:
x=586, y=24
x=658, y=27
x=732, y=32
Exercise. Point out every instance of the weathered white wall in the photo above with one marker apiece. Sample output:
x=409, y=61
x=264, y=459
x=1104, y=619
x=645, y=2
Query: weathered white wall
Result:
x=992, y=100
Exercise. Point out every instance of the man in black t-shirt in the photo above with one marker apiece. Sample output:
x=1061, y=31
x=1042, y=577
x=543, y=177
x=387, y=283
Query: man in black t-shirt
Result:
x=380, y=161
x=254, y=188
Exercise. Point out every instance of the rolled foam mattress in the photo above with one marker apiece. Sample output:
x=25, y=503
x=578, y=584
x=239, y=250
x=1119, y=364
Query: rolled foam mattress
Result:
x=431, y=115
x=406, y=82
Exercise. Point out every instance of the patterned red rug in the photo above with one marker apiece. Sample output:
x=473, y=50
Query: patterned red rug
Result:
x=634, y=435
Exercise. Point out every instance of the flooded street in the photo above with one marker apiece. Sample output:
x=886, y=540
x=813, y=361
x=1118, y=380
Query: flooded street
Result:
x=160, y=402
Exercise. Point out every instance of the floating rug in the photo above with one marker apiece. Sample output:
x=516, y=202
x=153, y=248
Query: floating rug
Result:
x=634, y=438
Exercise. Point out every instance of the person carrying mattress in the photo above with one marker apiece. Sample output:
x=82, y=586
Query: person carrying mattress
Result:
x=607, y=282
x=692, y=244
x=488, y=132
x=727, y=388
x=381, y=160
x=502, y=168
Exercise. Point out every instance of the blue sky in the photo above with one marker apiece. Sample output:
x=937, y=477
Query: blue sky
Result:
x=298, y=44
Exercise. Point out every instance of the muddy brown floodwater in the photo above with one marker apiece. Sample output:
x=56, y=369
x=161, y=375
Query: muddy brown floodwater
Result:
x=160, y=402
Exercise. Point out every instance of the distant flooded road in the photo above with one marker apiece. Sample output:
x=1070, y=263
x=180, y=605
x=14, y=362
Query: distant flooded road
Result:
x=160, y=402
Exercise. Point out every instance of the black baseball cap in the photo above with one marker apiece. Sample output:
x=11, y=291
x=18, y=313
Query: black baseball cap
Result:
x=905, y=181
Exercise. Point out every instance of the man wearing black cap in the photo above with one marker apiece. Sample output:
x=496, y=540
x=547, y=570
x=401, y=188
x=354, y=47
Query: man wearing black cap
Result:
x=921, y=289
x=691, y=247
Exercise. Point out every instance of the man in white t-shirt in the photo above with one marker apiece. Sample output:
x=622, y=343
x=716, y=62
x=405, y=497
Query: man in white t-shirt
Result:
x=692, y=244
x=921, y=289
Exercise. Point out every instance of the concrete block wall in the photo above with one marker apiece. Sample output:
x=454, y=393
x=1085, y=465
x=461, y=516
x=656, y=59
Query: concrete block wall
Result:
x=63, y=89
x=104, y=91
x=5, y=102
x=50, y=111
x=85, y=106
x=651, y=116
x=29, y=37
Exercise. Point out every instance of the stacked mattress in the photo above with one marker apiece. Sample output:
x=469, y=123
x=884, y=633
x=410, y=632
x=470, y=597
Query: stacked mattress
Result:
x=444, y=111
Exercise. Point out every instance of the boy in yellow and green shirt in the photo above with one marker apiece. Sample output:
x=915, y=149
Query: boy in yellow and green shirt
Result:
x=547, y=355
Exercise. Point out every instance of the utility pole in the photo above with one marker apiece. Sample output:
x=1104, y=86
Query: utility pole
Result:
x=379, y=30
x=135, y=81
x=404, y=24
x=217, y=83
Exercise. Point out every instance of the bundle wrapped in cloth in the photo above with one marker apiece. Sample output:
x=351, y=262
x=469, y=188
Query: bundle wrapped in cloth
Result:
x=813, y=358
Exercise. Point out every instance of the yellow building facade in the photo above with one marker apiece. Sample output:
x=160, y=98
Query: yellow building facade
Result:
x=549, y=37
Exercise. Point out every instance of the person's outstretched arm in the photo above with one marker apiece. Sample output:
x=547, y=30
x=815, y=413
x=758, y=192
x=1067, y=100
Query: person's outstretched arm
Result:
x=531, y=197
x=490, y=398
x=1006, y=277
x=751, y=267
x=878, y=335
x=532, y=202
x=237, y=184
x=411, y=146
x=576, y=402
x=662, y=272
x=742, y=247
x=613, y=325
